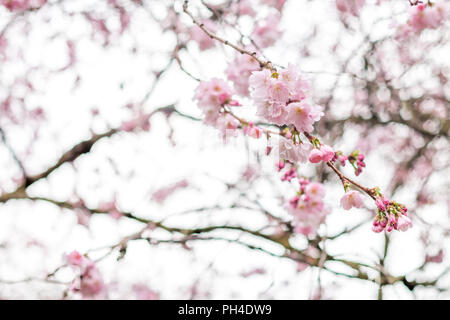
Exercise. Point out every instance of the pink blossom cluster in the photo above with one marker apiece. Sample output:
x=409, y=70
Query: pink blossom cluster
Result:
x=325, y=153
x=352, y=7
x=89, y=281
x=289, y=174
x=291, y=151
x=280, y=98
x=424, y=16
x=267, y=33
x=308, y=208
x=391, y=216
x=20, y=5
x=239, y=72
x=212, y=96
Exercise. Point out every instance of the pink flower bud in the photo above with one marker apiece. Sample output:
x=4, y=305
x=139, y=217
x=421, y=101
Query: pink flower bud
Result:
x=342, y=159
x=75, y=259
x=351, y=199
x=255, y=132
x=380, y=204
x=223, y=97
x=234, y=103
x=327, y=153
x=315, y=156
x=377, y=229
x=404, y=223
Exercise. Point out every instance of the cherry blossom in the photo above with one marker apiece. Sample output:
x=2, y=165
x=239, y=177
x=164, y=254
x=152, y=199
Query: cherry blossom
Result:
x=312, y=102
x=308, y=209
x=404, y=223
x=279, y=98
x=288, y=150
x=351, y=199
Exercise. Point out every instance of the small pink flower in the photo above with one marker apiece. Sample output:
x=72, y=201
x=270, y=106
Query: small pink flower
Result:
x=377, y=228
x=327, y=153
x=252, y=131
x=315, y=190
x=223, y=97
x=315, y=156
x=75, y=258
x=342, y=160
x=404, y=223
x=255, y=132
x=351, y=199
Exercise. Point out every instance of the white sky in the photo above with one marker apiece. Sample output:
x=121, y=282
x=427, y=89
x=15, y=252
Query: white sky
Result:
x=147, y=161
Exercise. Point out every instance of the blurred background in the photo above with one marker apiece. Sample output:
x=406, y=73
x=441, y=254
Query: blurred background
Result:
x=103, y=151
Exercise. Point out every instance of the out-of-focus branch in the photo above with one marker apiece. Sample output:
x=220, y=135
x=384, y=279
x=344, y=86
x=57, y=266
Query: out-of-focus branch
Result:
x=262, y=63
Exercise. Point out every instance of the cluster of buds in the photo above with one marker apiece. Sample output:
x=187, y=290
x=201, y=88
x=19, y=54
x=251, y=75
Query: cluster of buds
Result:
x=356, y=159
x=320, y=152
x=303, y=184
x=307, y=207
x=289, y=174
x=391, y=215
